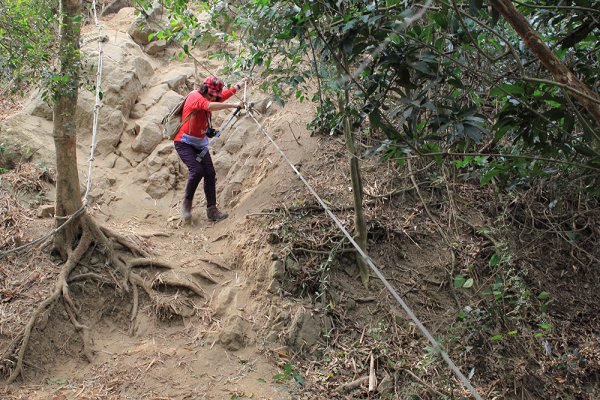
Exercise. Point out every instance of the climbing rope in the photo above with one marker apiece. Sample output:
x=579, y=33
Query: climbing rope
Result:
x=465, y=381
x=69, y=218
x=97, y=104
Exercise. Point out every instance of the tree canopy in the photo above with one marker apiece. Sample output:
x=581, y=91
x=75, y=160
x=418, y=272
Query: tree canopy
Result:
x=28, y=42
x=442, y=79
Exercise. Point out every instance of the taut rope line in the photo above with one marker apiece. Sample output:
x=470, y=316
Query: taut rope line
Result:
x=465, y=381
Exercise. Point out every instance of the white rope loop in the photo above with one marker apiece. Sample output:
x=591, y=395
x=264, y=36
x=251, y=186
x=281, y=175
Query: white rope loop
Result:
x=97, y=106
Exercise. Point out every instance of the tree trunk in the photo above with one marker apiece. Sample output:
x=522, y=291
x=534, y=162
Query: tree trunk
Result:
x=360, y=226
x=68, y=193
x=561, y=73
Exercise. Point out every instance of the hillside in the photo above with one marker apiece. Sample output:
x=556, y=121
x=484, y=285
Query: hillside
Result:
x=267, y=304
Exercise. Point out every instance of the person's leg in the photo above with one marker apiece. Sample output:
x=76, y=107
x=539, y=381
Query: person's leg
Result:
x=210, y=190
x=195, y=169
x=210, y=180
x=188, y=155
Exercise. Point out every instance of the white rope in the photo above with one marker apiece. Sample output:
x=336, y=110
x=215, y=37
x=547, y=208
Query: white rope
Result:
x=68, y=219
x=377, y=272
x=96, y=105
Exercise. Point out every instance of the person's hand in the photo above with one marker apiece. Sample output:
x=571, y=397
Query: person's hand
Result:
x=244, y=81
x=241, y=105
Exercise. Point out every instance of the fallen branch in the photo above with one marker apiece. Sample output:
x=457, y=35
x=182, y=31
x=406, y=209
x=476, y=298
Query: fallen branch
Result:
x=355, y=384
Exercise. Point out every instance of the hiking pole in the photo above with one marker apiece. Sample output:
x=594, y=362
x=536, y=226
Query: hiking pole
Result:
x=236, y=112
x=218, y=134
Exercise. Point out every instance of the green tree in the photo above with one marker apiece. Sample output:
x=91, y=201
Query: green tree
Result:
x=28, y=40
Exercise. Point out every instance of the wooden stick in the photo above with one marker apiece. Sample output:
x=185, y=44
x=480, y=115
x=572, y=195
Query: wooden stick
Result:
x=350, y=386
x=372, y=377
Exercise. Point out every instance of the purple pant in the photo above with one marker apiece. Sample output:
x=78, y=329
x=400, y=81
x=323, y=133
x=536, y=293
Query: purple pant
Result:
x=197, y=171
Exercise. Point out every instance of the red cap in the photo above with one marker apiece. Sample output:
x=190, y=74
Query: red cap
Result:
x=214, y=86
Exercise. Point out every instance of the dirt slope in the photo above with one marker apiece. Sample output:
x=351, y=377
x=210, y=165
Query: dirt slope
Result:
x=215, y=352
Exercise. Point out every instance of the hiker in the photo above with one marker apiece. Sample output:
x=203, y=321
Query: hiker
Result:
x=193, y=137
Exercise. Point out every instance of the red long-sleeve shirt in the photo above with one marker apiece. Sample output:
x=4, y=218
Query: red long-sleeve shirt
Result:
x=196, y=125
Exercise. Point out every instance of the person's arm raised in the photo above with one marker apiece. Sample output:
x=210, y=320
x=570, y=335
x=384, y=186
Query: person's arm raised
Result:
x=214, y=106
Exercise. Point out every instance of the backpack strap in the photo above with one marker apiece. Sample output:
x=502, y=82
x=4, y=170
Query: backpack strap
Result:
x=190, y=115
x=208, y=118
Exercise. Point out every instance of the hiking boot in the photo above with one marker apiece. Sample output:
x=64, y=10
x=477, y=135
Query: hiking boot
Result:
x=214, y=214
x=186, y=211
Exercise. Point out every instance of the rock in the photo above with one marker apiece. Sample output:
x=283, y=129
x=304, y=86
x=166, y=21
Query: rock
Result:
x=139, y=32
x=13, y=151
x=148, y=138
x=111, y=128
x=223, y=162
x=137, y=111
x=45, y=211
x=155, y=47
x=233, y=336
x=305, y=330
x=38, y=107
x=169, y=100
x=26, y=138
x=95, y=196
x=234, y=144
x=157, y=112
x=292, y=266
x=84, y=114
x=114, y=54
x=153, y=95
x=266, y=107
x=160, y=183
x=161, y=169
x=276, y=270
x=122, y=164
x=115, y=6
x=226, y=299
x=175, y=80
x=160, y=157
x=274, y=287
x=122, y=90
x=246, y=170
x=143, y=69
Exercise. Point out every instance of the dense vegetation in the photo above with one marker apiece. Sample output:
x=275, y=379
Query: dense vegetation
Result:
x=501, y=95
x=436, y=77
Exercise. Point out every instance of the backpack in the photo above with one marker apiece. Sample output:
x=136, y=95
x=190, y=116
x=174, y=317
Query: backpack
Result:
x=171, y=123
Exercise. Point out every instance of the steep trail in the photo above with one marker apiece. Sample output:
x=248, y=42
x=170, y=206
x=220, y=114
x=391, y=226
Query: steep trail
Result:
x=215, y=352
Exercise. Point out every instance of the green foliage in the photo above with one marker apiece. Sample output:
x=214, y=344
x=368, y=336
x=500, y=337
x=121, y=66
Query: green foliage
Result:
x=461, y=281
x=288, y=373
x=28, y=41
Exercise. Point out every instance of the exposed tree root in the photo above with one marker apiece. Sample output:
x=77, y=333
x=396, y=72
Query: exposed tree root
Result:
x=96, y=238
x=174, y=279
x=204, y=276
x=149, y=263
x=60, y=288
